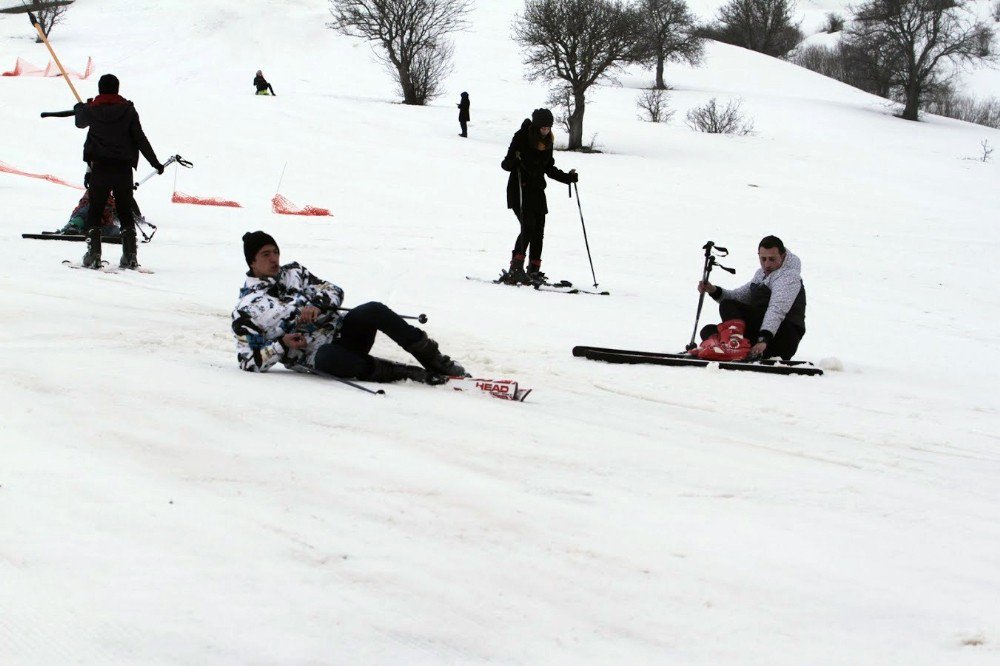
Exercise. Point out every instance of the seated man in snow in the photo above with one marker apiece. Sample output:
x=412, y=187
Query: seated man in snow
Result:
x=770, y=310
x=287, y=314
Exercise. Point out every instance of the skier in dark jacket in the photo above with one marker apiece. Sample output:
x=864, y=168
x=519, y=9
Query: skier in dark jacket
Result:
x=112, y=148
x=529, y=160
x=262, y=86
x=765, y=317
x=286, y=314
x=463, y=114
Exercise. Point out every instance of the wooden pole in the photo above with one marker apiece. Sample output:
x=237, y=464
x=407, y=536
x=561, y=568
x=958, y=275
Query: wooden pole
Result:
x=41, y=35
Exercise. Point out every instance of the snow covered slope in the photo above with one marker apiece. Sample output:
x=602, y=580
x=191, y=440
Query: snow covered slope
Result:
x=159, y=506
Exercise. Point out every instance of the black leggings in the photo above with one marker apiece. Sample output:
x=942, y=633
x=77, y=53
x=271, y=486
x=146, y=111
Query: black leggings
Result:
x=786, y=339
x=532, y=234
x=105, y=179
x=347, y=356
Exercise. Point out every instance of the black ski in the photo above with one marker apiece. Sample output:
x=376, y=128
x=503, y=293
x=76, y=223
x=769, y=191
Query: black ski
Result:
x=772, y=366
x=79, y=238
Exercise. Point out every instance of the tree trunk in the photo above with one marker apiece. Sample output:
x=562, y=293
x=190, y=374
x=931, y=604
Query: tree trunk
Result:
x=660, y=85
x=406, y=85
x=911, y=110
x=576, y=122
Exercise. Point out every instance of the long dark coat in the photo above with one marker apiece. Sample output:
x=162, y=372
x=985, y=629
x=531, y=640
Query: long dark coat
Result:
x=525, y=159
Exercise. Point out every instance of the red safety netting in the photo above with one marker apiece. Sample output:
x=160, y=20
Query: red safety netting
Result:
x=6, y=168
x=283, y=206
x=180, y=197
x=24, y=68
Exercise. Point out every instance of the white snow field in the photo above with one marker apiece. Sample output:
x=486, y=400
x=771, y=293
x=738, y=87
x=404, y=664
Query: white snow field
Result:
x=160, y=506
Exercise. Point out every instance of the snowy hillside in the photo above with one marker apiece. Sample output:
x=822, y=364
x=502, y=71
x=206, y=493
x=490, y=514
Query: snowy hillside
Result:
x=160, y=506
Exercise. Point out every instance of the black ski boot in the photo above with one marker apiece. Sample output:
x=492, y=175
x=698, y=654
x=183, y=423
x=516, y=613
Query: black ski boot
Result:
x=535, y=274
x=427, y=352
x=515, y=274
x=384, y=371
x=130, y=259
x=92, y=257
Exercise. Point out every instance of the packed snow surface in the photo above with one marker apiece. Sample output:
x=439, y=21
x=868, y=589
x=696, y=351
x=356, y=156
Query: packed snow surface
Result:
x=160, y=506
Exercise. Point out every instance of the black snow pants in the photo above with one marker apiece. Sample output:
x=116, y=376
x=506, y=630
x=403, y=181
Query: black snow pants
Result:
x=105, y=178
x=529, y=241
x=347, y=356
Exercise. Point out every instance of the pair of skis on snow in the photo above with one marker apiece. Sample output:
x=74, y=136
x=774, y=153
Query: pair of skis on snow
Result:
x=105, y=267
x=562, y=286
x=771, y=366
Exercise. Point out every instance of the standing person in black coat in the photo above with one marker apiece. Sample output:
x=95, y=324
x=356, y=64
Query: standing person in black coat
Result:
x=463, y=114
x=112, y=148
x=529, y=159
x=262, y=86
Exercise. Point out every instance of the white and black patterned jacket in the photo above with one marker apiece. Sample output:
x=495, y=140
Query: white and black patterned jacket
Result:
x=782, y=291
x=269, y=309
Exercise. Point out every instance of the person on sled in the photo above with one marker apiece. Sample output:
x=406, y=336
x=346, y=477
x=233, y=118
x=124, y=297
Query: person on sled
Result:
x=770, y=310
x=286, y=314
x=78, y=218
x=529, y=160
x=262, y=86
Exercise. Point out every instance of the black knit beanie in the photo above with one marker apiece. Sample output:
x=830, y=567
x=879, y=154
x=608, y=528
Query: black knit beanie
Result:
x=253, y=241
x=542, y=118
x=108, y=85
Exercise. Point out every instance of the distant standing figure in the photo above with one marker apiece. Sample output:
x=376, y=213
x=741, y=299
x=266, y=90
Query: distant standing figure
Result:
x=463, y=114
x=262, y=86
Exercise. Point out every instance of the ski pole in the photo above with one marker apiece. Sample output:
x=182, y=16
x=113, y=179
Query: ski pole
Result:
x=41, y=36
x=176, y=158
x=709, y=247
x=585, y=242
x=422, y=318
x=327, y=375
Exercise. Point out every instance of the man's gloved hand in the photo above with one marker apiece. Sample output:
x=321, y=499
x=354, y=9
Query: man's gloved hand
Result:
x=159, y=168
x=574, y=177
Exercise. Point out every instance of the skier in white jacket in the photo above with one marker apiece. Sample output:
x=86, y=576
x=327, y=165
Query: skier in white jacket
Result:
x=770, y=310
x=286, y=314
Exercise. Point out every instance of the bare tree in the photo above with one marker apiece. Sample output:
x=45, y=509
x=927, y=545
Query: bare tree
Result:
x=834, y=23
x=48, y=17
x=577, y=42
x=668, y=29
x=919, y=43
x=996, y=11
x=410, y=37
x=759, y=25
x=712, y=119
x=653, y=103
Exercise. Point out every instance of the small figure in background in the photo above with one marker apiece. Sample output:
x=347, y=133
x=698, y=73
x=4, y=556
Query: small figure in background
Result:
x=463, y=114
x=262, y=86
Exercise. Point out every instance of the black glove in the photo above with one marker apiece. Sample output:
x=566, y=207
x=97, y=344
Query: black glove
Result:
x=159, y=168
x=574, y=177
